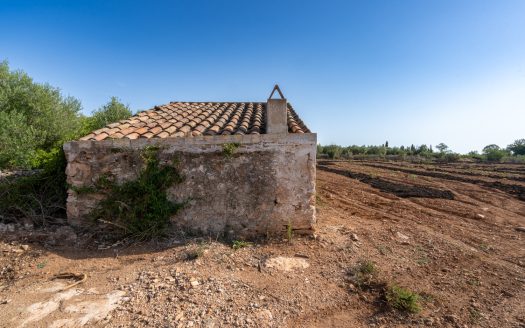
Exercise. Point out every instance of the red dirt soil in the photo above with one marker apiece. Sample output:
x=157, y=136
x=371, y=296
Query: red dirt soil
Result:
x=450, y=233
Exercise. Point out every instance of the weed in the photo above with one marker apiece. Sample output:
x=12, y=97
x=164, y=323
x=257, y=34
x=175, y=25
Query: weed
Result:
x=139, y=208
x=40, y=197
x=83, y=189
x=485, y=247
x=364, y=274
x=384, y=250
x=289, y=232
x=422, y=256
x=228, y=149
x=474, y=282
x=318, y=200
x=237, y=244
x=41, y=265
x=475, y=315
x=196, y=253
x=403, y=299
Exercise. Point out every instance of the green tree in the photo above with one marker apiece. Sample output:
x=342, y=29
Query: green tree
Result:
x=490, y=148
x=517, y=147
x=34, y=118
x=494, y=153
x=112, y=111
x=442, y=147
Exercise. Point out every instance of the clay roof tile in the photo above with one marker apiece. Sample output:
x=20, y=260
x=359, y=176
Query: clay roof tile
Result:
x=184, y=119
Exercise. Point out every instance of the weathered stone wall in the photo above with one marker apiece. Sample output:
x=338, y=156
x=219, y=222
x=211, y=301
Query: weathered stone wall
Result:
x=267, y=183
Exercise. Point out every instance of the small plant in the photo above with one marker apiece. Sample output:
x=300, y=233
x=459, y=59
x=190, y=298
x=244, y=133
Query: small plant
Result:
x=289, y=232
x=384, y=250
x=82, y=190
x=237, y=244
x=364, y=274
x=403, y=299
x=196, y=252
x=139, y=208
x=474, y=282
x=475, y=316
x=228, y=149
x=41, y=265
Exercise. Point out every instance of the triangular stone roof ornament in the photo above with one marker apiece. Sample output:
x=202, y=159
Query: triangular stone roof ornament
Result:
x=276, y=88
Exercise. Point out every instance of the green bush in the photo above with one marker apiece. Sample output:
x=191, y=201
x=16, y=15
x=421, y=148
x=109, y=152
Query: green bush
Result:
x=364, y=274
x=113, y=111
x=403, y=299
x=517, y=147
x=40, y=197
x=139, y=208
x=33, y=117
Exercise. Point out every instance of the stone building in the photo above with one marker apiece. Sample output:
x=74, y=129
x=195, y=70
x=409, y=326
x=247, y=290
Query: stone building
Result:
x=248, y=167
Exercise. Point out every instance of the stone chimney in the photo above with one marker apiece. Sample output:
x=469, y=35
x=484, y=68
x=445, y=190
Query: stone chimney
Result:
x=276, y=113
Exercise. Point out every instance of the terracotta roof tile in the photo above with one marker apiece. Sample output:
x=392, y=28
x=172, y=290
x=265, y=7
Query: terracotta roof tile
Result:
x=182, y=119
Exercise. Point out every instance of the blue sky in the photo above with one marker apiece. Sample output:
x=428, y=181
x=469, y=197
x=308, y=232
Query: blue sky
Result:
x=358, y=72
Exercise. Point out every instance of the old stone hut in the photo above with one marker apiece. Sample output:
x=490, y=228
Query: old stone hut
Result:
x=248, y=167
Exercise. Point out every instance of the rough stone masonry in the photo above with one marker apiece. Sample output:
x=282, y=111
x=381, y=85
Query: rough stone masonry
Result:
x=266, y=183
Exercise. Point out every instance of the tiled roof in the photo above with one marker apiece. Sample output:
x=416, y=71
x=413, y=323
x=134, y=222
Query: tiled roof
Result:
x=186, y=119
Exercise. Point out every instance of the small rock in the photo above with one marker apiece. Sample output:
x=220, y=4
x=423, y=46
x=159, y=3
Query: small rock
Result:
x=354, y=237
x=481, y=216
x=401, y=236
x=194, y=283
x=520, y=229
x=24, y=247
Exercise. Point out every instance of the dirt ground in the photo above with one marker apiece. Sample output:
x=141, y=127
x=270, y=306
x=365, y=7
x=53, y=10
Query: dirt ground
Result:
x=454, y=234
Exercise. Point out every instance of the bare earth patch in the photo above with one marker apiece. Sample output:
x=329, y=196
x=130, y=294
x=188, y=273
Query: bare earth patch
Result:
x=452, y=238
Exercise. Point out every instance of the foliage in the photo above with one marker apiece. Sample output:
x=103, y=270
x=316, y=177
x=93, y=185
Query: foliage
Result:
x=403, y=299
x=493, y=153
x=33, y=117
x=289, y=232
x=422, y=152
x=140, y=208
x=442, y=147
x=111, y=112
x=450, y=157
x=18, y=142
x=364, y=274
x=40, y=197
x=238, y=244
x=228, y=149
x=517, y=147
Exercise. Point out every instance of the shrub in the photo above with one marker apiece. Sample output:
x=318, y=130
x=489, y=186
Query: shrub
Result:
x=238, y=244
x=140, y=208
x=33, y=117
x=40, y=197
x=495, y=155
x=403, y=299
x=364, y=274
x=450, y=157
x=517, y=147
x=111, y=112
x=228, y=149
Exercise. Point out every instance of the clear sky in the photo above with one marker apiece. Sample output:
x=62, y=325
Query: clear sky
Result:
x=358, y=72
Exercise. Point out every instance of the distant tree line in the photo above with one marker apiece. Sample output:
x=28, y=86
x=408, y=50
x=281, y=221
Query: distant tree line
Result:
x=514, y=152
